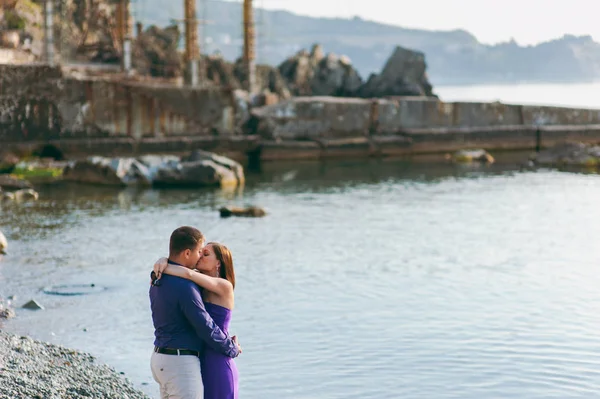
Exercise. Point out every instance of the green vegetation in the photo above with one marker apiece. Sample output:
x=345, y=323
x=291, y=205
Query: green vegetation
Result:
x=35, y=173
x=14, y=21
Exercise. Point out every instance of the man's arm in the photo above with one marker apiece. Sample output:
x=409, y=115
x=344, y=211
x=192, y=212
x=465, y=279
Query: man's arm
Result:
x=193, y=308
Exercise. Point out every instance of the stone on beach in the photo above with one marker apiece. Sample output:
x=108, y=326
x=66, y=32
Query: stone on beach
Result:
x=33, y=305
x=27, y=194
x=251, y=211
x=6, y=312
x=3, y=244
x=34, y=369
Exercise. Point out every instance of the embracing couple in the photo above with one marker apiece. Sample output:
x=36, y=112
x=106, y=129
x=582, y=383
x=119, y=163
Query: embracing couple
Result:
x=191, y=297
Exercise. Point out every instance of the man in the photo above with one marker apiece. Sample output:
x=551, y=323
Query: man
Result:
x=181, y=324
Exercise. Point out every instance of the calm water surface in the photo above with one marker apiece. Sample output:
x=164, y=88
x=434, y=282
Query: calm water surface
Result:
x=578, y=95
x=379, y=280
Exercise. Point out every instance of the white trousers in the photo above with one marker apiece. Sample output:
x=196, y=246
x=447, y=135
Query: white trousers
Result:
x=179, y=377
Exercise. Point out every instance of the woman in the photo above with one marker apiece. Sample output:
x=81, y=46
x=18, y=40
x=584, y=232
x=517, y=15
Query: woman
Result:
x=216, y=275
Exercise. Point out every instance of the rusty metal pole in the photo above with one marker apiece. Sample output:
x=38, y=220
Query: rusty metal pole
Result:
x=191, y=42
x=48, y=32
x=125, y=28
x=249, y=54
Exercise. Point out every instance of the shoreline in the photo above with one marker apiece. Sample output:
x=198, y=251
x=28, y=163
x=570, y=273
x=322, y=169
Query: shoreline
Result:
x=36, y=369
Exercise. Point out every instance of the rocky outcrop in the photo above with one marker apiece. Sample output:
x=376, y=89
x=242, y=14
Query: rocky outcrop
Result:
x=220, y=72
x=155, y=52
x=201, y=169
x=403, y=75
x=318, y=74
x=268, y=79
x=569, y=154
x=234, y=76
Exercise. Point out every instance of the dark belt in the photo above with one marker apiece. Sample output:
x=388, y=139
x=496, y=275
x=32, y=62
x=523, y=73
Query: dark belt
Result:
x=178, y=352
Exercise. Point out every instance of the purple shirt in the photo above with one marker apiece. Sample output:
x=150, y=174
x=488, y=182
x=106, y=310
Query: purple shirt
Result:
x=181, y=321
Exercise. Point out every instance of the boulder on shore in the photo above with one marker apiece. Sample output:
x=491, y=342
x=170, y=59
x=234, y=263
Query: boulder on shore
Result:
x=200, y=169
x=108, y=171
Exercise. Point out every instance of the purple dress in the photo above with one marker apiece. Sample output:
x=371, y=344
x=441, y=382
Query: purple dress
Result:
x=219, y=372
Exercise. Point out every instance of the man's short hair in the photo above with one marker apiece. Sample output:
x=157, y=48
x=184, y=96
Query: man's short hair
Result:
x=183, y=238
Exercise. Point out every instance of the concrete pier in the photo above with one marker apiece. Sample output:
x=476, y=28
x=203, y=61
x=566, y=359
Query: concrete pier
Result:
x=41, y=105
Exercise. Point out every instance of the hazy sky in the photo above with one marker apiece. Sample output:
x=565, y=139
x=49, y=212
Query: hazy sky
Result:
x=491, y=21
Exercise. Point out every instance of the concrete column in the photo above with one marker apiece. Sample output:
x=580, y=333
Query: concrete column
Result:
x=191, y=42
x=48, y=32
x=124, y=29
x=249, y=54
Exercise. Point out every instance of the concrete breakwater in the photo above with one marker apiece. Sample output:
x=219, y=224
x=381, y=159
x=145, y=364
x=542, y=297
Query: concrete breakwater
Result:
x=110, y=115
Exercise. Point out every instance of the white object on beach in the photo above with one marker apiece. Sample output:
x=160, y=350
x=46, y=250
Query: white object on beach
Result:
x=3, y=244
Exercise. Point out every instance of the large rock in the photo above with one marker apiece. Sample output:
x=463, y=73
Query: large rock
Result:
x=403, y=75
x=235, y=167
x=569, y=154
x=108, y=171
x=199, y=169
x=316, y=74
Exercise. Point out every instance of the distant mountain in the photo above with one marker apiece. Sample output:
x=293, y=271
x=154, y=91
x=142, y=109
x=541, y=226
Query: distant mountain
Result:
x=453, y=57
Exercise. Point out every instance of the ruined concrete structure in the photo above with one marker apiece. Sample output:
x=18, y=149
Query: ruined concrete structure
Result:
x=38, y=104
x=106, y=115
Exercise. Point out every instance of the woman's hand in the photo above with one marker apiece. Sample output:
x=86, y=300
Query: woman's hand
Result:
x=160, y=266
x=235, y=341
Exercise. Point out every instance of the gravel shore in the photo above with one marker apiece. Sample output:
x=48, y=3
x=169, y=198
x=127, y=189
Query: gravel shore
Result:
x=34, y=369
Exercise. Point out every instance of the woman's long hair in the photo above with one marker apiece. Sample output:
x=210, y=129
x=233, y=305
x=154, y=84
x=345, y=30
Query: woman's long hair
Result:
x=223, y=255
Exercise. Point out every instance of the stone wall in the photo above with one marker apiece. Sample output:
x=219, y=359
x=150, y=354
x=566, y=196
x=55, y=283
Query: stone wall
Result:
x=331, y=127
x=318, y=117
x=38, y=103
x=108, y=115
